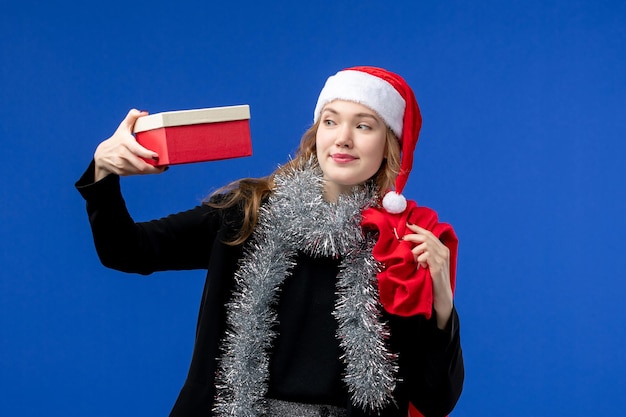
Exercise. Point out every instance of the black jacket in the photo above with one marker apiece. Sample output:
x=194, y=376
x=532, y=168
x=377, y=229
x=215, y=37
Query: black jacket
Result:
x=431, y=368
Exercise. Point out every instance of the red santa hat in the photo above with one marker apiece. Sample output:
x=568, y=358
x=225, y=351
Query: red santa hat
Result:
x=392, y=99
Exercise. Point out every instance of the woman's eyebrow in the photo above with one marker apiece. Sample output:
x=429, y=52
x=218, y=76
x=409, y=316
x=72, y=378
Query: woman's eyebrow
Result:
x=333, y=111
x=366, y=115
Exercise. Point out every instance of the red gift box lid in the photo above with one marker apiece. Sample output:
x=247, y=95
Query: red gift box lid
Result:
x=192, y=117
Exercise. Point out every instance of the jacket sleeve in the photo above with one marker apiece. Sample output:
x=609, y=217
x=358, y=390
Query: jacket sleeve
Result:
x=176, y=242
x=430, y=361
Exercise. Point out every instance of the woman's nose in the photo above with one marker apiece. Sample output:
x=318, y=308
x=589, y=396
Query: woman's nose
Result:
x=344, y=137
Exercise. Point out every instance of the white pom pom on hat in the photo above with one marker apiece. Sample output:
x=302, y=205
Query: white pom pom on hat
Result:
x=394, y=202
x=390, y=96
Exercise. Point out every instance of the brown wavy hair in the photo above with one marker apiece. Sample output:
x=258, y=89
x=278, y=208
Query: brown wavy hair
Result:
x=251, y=192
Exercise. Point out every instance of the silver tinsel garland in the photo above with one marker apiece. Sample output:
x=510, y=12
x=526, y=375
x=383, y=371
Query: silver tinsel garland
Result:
x=296, y=217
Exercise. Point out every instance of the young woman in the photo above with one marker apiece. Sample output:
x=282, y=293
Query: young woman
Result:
x=321, y=298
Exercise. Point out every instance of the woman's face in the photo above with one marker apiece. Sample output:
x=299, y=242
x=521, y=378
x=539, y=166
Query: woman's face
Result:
x=350, y=145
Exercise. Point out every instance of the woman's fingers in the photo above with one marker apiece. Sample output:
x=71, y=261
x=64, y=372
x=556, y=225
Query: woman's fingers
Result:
x=420, y=230
x=121, y=154
x=423, y=255
x=125, y=131
x=429, y=251
x=128, y=162
x=135, y=148
x=128, y=123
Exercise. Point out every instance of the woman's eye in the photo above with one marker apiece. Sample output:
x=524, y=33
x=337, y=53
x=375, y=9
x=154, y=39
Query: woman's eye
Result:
x=362, y=126
x=328, y=122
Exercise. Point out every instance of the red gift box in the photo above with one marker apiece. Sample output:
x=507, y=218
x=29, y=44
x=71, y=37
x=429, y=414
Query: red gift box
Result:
x=186, y=136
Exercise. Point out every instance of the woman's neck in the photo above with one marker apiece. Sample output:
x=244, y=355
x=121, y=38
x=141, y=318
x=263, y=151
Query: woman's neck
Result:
x=333, y=190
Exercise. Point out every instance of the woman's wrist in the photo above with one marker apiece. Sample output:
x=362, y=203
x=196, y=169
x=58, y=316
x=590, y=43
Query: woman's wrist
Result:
x=99, y=172
x=443, y=312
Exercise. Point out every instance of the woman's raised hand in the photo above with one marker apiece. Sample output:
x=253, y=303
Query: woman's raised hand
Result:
x=429, y=252
x=121, y=154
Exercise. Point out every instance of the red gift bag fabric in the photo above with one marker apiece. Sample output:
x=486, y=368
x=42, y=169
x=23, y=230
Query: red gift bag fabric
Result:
x=405, y=289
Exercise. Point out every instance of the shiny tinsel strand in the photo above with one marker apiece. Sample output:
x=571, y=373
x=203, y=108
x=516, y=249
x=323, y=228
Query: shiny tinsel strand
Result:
x=296, y=217
x=370, y=367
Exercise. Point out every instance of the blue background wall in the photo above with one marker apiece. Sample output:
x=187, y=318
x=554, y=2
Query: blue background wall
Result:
x=522, y=150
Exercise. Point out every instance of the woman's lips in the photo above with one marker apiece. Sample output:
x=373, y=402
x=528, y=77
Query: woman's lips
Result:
x=342, y=158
